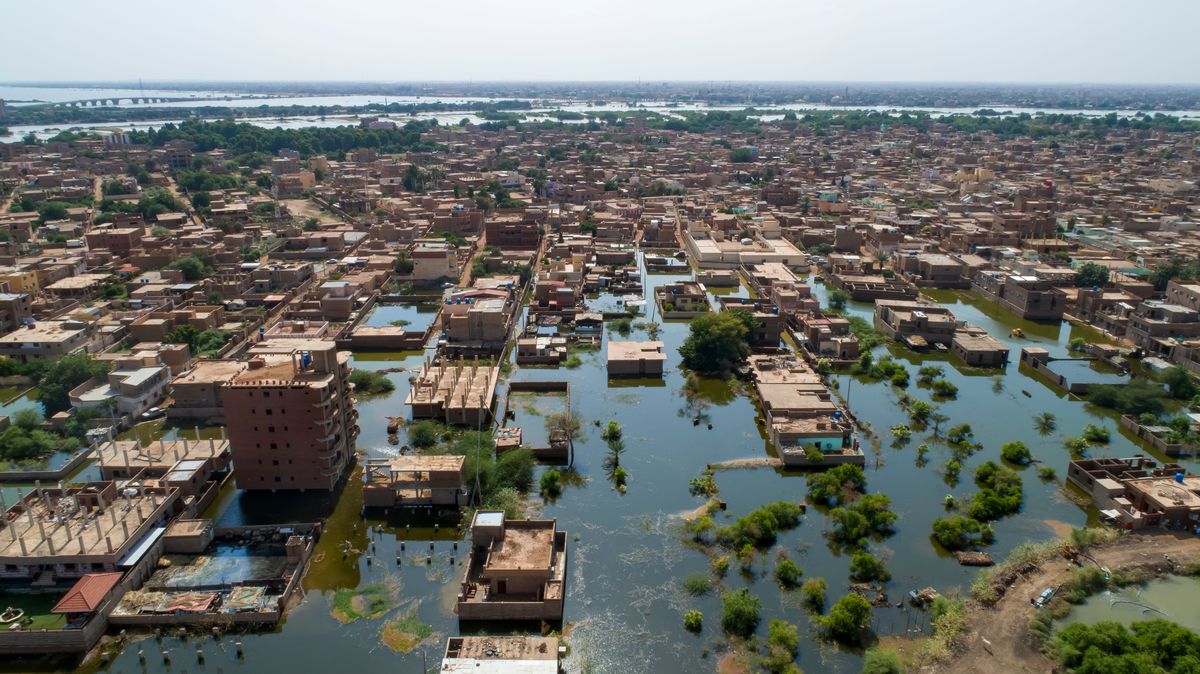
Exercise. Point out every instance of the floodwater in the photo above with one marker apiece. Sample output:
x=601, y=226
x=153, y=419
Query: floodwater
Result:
x=627, y=556
x=412, y=316
x=1172, y=598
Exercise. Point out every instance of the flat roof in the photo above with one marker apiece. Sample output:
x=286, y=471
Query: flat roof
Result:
x=525, y=545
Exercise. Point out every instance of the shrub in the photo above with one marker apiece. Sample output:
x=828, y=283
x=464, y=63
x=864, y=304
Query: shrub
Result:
x=697, y=584
x=761, y=526
x=866, y=568
x=720, y=565
x=740, y=612
x=879, y=661
x=1076, y=446
x=1016, y=452
x=813, y=592
x=424, y=434
x=551, y=483
x=956, y=532
x=849, y=619
x=693, y=621
x=1096, y=434
x=788, y=574
x=705, y=485
x=783, y=642
x=944, y=388
x=834, y=484
x=1047, y=473
x=371, y=383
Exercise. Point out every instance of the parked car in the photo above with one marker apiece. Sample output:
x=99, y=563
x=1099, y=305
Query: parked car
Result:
x=153, y=413
x=1045, y=597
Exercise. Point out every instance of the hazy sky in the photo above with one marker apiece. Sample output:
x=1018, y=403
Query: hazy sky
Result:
x=1132, y=41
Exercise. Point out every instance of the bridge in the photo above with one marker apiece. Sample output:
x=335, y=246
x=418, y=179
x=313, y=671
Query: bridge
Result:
x=133, y=100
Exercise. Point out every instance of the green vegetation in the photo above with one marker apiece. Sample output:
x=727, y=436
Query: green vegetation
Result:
x=740, y=612
x=959, y=533
x=1001, y=493
x=928, y=373
x=949, y=619
x=241, y=138
x=369, y=382
x=697, y=584
x=551, y=483
x=405, y=633
x=886, y=368
x=783, y=642
x=65, y=374
x=867, y=568
x=944, y=388
x=704, y=485
x=693, y=621
x=838, y=484
x=1045, y=422
x=838, y=299
x=1091, y=275
x=813, y=592
x=788, y=573
x=1097, y=435
x=849, y=619
x=195, y=266
x=201, y=344
x=718, y=342
x=880, y=661
x=425, y=433
x=869, y=516
x=1016, y=452
x=1147, y=647
x=1139, y=396
x=370, y=601
x=759, y=528
x=154, y=201
x=741, y=155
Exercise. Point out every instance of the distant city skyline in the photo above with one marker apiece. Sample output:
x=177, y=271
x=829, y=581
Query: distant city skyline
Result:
x=926, y=41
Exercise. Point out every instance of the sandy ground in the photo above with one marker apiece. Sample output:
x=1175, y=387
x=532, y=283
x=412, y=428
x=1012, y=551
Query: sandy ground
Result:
x=1005, y=624
x=305, y=208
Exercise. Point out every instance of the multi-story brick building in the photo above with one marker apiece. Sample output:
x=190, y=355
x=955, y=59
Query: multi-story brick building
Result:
x=290, y=417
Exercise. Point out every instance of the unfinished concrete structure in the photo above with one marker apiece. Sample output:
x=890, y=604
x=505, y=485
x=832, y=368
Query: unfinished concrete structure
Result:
x=415, y=481
x=517, y=570
x=1137, y=492
x=501, y=655
x=455, y=392
x=52, y=534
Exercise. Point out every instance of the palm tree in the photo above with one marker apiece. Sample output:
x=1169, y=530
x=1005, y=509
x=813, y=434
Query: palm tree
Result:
x=1045, y=423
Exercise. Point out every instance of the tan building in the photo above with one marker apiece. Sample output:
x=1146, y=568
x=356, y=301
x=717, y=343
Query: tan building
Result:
x=197, y=393
x=290, y=417
x=45, y=340
x=415, y=481
x=635, y=358
x=517, y=570
x=974, y=346
x=456, y=392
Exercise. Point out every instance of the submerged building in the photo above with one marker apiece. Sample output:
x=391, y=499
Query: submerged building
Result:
x=290, y=417
x=517, y=570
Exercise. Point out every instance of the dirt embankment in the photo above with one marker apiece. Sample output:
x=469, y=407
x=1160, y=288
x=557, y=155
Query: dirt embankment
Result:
x=1005, y=624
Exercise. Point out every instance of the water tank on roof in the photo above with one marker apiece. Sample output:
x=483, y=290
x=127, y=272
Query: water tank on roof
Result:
x=1179, y=477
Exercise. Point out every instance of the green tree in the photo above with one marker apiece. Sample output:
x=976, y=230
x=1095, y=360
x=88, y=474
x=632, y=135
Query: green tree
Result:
x=65, y=374
x=849, y=619
x=838, y=299
x=717, y=343
x=866, y=568
x=740, y=612
x=1091, y=275
x=1016, y=452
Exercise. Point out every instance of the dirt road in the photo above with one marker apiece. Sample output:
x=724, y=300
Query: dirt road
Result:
x=1005, y=624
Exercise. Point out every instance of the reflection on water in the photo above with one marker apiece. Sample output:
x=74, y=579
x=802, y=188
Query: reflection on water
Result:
x=1172, y=598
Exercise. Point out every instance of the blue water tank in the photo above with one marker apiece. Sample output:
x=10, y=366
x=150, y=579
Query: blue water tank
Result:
x=1179, y=477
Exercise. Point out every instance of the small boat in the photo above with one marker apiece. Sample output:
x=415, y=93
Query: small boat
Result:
x=11, y=615
x=1017, y=332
